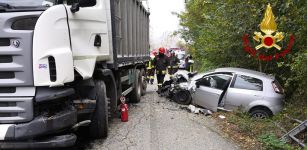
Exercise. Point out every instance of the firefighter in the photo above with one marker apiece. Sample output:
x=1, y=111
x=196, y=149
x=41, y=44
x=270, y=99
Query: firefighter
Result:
x=151, y=69
x=161, y=63
x=173, y=64
x=189, y=63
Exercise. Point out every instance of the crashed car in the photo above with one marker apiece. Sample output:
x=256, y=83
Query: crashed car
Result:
x=231, y=88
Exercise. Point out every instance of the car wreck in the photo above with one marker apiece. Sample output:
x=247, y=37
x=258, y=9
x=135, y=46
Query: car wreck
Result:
x=228, y=89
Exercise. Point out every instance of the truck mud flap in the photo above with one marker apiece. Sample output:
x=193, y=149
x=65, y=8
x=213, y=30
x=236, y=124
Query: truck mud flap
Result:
x=51, y=142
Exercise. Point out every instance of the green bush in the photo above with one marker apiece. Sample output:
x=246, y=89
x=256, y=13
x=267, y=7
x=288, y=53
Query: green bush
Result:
x=271, y=142
x=214, y=31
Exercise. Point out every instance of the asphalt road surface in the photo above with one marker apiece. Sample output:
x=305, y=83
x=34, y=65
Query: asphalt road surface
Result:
x=156, y=123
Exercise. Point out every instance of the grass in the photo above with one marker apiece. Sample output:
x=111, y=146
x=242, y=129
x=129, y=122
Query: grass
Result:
x=263, y=134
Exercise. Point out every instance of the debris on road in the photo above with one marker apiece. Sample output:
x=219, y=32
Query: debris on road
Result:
x=222, y=117
x=196, y=110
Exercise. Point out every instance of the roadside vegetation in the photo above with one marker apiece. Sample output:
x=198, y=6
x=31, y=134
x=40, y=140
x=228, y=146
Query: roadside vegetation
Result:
x=213, y=31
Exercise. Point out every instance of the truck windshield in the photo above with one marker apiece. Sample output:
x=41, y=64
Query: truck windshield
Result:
x=28, y=3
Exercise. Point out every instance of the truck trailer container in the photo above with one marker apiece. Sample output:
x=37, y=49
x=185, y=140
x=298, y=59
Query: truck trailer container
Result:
x=65, y=64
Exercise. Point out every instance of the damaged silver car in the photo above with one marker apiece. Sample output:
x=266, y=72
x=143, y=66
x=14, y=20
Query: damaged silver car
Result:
x=231, y=88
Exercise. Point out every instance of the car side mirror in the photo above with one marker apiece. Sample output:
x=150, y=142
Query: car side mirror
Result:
x=82, y=3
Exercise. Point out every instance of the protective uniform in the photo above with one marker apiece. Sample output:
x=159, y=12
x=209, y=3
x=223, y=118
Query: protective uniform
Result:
x=161, y=62
x=173, y=64
x=189, y=63
x=151, y=69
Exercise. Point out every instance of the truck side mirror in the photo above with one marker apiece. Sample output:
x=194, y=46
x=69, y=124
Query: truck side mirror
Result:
x=87, y=3
x=75, y=7
x=82, y=3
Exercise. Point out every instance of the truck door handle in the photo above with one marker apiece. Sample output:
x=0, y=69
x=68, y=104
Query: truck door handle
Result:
x=97, y=42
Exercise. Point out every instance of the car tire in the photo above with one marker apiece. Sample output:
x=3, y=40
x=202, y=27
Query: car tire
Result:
x=183, y=97
x=143, y=82
x=260, y=113
x=136, y=93
x=99, y=122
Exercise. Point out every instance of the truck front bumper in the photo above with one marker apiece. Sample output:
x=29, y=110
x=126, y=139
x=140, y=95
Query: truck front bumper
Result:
x=19, y=134
x=51, y=142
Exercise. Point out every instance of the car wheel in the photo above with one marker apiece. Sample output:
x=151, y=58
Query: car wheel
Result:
x=183, y=97
x=260, y=113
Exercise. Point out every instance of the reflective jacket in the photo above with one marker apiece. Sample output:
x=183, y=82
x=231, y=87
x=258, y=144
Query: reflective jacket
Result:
x=161, y=62
x=173, y=61
x=150, y=64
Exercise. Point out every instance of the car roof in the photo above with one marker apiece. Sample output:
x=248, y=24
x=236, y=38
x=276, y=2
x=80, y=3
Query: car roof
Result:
x=245, y=72
x=242, y=71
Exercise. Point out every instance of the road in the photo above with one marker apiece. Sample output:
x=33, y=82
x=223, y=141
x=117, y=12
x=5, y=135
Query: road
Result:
x=157, y=123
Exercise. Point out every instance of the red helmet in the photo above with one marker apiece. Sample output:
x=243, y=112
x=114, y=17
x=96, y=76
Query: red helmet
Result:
x=162, y=50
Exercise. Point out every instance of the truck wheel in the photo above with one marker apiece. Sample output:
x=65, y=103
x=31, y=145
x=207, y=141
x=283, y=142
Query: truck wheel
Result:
x=144, y=82
x=99, y=125
x=135, y=95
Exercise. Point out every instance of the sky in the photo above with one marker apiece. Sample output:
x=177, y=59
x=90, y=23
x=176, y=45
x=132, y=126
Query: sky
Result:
x=162, y=22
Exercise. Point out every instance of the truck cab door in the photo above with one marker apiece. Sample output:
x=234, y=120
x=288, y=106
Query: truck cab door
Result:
x=52, y=56
x=89, y=33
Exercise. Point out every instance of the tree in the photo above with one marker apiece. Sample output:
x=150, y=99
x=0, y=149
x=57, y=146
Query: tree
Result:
x=214, y=31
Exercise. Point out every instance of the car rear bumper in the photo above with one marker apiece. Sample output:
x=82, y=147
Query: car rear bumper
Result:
x=19, y=134
x=276, y=109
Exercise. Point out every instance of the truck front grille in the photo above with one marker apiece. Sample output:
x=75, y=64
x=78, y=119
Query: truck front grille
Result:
x=7, y=75
x=7, y=89
x=8, y=114
x=5, y=42
x=16, y=110
x=6, y=59
x=16, y=67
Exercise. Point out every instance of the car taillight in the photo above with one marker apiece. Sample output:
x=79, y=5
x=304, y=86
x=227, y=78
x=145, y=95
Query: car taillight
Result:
x=277, y=87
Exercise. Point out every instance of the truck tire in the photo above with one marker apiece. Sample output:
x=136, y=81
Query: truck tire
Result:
x=136, y=93
x=144, y=82
x=99, y=122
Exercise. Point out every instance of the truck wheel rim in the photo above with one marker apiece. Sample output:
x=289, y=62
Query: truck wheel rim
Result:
x=139, y=89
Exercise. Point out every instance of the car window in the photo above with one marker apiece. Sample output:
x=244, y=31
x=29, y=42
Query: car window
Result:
x=248, y=83
x=219, y=81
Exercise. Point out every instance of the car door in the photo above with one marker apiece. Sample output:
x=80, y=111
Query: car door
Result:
x=89, y=32
x=209, y=90
x=243, y=90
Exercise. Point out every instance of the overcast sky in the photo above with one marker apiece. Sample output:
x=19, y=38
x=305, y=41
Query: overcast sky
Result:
x=163, y=22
